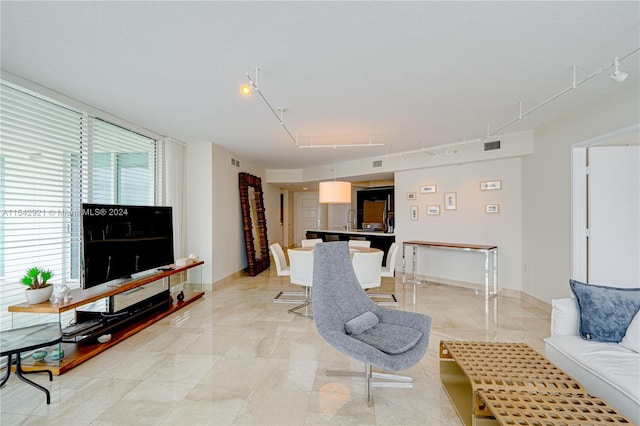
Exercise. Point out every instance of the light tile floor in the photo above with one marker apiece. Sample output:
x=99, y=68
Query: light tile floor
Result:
x=235, y=357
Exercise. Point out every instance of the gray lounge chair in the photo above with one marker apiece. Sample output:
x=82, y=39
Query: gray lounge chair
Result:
x=347, y=319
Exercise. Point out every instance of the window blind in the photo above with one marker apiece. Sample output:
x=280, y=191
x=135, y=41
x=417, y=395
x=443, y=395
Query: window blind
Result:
x=40, y=144
x=52, y=159
x=123, y=169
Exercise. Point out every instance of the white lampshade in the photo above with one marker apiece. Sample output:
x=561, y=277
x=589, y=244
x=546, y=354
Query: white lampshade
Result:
x=335, y=192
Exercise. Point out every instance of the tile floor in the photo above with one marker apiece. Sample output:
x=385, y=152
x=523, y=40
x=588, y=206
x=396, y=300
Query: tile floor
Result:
x=235, y=357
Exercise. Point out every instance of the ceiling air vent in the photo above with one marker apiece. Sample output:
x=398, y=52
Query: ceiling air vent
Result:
x=377, y=163
x=490, y=146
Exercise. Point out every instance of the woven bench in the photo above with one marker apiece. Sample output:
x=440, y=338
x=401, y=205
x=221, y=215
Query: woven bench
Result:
x=512, y=384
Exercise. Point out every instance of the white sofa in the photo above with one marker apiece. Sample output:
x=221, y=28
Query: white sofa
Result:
x=610, y=371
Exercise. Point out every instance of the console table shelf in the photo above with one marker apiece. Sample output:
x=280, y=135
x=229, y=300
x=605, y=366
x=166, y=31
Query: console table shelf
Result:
x=77, y=353
x=490, y=263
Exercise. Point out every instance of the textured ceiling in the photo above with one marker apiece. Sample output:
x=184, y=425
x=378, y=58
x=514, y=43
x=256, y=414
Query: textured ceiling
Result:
x=407, y=74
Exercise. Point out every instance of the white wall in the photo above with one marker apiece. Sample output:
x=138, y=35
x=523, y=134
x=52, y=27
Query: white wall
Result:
x=547, y=188
x=199, y=205
x=533, y=227
x=214, y=217
x=469, y=223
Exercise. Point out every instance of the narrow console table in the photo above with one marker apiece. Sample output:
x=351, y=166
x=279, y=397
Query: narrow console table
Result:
x=77, y=353
x=490, y=263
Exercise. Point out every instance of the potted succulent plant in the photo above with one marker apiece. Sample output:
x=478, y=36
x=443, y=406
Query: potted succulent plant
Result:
x=39, y=290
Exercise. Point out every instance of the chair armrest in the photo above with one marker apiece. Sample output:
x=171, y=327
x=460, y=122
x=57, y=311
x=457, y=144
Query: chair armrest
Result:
x=565, y=317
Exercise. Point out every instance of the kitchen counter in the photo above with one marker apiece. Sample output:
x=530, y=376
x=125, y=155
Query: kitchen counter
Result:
x=352, y=231
x=379, y=239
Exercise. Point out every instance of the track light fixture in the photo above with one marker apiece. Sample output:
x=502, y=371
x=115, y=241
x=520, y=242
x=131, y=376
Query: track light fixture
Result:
x=253, y=86
x=247, y=89
x=618, y=75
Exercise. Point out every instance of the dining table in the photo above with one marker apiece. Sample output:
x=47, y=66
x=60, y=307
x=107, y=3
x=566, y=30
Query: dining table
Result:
x=352, y=250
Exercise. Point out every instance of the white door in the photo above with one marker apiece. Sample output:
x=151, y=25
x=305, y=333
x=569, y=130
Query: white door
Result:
x=309, y=214
x=614, y=216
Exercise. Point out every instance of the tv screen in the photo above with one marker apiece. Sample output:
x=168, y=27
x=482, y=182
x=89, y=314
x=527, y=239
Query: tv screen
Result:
x=119, y=241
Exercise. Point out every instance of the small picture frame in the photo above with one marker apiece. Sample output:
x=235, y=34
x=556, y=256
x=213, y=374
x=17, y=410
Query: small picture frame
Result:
x=490, y=185
x=411, y=195
x=433, y=209
x=492, y=208
x=450, y=201
x=428, y=189
x=413, y=212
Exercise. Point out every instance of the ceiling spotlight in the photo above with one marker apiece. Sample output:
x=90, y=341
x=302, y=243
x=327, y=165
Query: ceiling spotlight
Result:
x=618, y=75
x=245, y=89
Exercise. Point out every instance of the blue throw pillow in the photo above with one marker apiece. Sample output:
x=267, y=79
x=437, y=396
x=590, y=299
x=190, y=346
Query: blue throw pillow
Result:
x=605, y=312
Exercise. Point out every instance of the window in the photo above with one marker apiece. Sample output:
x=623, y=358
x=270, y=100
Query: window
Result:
x=123, y=166
x=53, y=158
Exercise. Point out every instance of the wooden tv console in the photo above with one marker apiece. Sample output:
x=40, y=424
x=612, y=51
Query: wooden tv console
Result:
x=77, y=353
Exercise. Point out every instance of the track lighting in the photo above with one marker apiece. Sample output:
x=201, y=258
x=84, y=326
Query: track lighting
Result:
x=618, y=75
x=248, y=89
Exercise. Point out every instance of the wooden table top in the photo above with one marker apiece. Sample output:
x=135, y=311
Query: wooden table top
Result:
x=352, y=250
x=508, y=367
x=450, y=245
x=526, y=409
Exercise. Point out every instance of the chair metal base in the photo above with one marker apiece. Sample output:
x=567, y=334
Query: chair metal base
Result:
x=299, y=297
x=307, y=310
x=306, y=305
x=397, y=381
x=392, y=302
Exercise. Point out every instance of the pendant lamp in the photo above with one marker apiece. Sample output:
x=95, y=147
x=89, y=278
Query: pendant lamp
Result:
x=335, y=192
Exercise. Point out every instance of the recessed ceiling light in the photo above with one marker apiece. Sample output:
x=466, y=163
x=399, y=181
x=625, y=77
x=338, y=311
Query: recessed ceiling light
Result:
x=245, y=89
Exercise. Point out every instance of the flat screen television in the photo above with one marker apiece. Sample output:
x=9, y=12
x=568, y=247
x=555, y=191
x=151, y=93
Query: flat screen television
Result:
x=120, y=241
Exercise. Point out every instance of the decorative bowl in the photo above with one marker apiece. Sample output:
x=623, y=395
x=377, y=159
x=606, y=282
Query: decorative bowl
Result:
x=39, y=355
x=104, y=338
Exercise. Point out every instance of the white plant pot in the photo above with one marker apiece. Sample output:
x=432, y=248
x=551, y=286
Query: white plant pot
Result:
x=38, y=295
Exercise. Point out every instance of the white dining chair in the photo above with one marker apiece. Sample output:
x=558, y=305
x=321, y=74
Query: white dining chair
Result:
x=283, y=270
x=369, y=273
x=389, y=269
x=311, y=242
x=367, y=268
x=301, y=266
x=359, y=243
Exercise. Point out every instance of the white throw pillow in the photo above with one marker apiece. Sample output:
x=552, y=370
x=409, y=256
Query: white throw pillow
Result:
x=565, y=318
x=631, y=339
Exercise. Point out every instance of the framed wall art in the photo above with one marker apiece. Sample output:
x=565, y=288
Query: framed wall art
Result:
x=450, y=201
x=428, y=189
x=492, y=208
x=413, y=212
x=490, y=185
x=433, y=209
x=411, y=195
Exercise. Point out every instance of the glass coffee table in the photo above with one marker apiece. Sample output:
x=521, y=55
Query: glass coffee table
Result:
x=14, y=342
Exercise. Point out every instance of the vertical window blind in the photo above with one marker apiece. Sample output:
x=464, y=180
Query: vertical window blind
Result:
x=52, y=159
